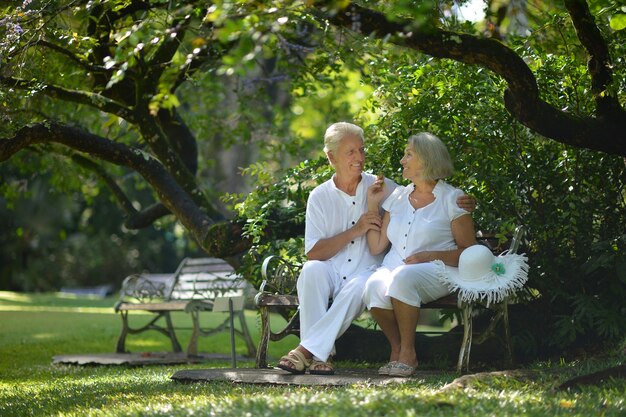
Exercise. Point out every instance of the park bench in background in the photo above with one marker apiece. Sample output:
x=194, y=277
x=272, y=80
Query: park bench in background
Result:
x=196, y=286
x=278, y=292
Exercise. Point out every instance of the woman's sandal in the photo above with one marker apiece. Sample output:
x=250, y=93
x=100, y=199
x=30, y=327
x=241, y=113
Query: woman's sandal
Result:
x=401, y=369
x=298, y=360
x=329, y=370
x=384, y=370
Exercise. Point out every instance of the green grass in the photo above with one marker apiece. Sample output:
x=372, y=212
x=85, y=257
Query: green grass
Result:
x=34, y=328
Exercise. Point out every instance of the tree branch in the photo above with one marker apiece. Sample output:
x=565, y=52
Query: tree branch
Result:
x=173, y=197
x=67, y=53
x=134, y=219
x=117, y=191
x=599, y=64
x=521, y=99
x=164, y=54
x=95, y=100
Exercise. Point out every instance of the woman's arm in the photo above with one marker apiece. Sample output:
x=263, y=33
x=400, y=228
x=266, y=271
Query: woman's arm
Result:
x=377, y=240
x=464, y=235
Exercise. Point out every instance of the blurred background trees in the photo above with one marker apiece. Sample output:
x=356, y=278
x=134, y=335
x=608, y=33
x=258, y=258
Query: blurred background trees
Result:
x=126, y=112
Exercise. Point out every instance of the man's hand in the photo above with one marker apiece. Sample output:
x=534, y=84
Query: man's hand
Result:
x=368, y=221
x=466, y=202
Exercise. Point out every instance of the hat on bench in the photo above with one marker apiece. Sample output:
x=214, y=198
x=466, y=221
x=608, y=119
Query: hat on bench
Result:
x=483, y=276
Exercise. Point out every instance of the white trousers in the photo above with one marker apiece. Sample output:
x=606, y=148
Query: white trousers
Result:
x=320, y=325
x=413, y=284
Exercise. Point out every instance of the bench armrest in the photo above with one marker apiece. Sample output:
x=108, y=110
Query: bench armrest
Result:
x=279, y=276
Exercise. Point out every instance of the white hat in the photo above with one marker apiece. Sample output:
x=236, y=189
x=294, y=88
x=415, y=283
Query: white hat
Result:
x=483, y=276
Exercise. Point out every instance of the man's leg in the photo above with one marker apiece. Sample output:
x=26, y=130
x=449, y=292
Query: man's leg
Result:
x=347, y=306
x=316, y=285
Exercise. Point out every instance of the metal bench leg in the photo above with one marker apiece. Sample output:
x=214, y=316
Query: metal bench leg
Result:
x=507, y=333
x=171, y=333
x=192, y=347
x=261, y=353
x=246, y=334
x=121, y=340
x=466, y=345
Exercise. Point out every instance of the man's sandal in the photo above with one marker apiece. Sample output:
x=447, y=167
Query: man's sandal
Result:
x=297, y=359
x=327, y=368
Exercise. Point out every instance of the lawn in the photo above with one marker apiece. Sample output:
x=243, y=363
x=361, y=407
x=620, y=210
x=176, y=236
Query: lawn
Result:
x=34, y=328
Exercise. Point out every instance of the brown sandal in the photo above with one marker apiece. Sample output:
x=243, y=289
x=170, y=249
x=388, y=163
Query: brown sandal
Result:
x=298, y=360
x=319, y=364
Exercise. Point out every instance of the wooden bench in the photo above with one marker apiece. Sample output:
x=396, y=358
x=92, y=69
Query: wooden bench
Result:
x=195, y=287
x=278, y=292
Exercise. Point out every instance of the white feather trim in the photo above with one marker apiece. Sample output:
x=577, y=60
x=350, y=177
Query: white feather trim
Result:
x=492, y=288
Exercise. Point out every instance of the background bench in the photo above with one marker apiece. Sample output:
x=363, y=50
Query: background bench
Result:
x=278, y=293
x=193, y=288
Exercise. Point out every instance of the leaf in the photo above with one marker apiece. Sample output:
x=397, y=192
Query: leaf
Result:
x=618, y=21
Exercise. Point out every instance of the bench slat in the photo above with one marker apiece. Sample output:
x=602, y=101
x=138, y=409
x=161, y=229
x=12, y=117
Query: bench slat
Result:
x=164, y=306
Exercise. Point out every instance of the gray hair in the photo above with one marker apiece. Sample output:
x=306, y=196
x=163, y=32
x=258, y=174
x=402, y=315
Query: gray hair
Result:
x=433, y=154
x=338, y=131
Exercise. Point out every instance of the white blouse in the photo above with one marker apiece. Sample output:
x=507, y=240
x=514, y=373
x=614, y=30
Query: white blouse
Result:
x=424, y=229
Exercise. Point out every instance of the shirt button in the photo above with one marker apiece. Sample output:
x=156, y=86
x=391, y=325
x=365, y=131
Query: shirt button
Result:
x=352, y=242
x=353, y=223
x=353, y=203
x=344, y=277
x=349, y=260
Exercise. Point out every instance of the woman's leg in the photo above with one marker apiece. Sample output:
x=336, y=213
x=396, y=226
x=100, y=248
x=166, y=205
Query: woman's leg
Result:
x=386, y=319
x=406, y=316
x=376, y=300
x=411, y=286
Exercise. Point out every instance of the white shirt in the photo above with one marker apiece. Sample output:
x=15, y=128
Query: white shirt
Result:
x=330, y=211
x=424, y=229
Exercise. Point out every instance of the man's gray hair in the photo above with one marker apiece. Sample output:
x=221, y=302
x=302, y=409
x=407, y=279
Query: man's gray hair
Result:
x=338, y=131
x=433, y=154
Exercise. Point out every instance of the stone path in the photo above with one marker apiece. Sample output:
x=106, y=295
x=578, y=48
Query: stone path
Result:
x=279, y=377
x=136, y=359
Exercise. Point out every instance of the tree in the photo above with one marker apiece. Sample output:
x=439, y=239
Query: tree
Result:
x=104, y=88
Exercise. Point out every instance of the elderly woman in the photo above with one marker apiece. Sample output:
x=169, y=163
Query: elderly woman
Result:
x=339, y=262
x=423, y=223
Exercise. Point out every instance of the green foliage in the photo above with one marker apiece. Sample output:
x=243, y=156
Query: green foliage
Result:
x=276, y=202
x=41, y=227
x=572, y=201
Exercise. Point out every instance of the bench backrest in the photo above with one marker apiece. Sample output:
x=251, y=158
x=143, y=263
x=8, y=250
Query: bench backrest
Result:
x=205, y=278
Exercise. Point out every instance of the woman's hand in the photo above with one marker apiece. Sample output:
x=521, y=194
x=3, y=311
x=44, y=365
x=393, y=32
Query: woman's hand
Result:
x=376, y=192
x=419, y=257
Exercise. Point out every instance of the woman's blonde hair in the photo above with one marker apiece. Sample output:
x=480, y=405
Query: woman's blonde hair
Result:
x=338, y=131
x=433, y=154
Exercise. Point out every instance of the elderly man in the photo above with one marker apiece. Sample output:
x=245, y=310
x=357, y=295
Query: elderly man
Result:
x=339, y=261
